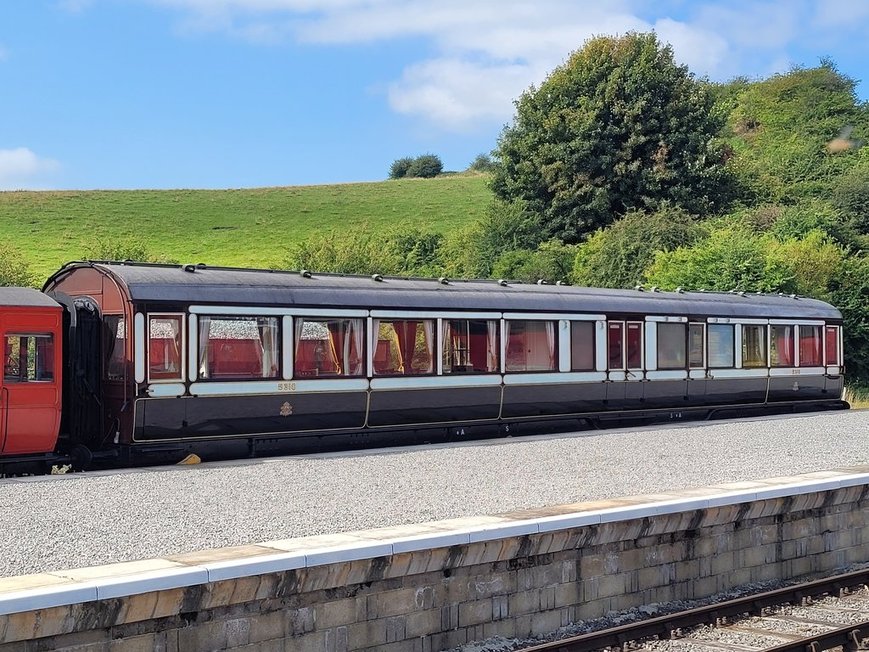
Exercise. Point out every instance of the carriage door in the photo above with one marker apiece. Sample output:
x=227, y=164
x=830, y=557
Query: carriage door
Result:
x=29, y=386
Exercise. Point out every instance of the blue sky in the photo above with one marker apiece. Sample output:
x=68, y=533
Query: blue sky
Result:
x=243, y=93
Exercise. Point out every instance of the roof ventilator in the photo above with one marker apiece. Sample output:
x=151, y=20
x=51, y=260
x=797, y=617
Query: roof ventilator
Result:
x=189, y=268
x=377, y=277
x=502, y=282
x=639, y=287
x=679, y=290
x=305, y=273
x=443, y=280
x=540, y=281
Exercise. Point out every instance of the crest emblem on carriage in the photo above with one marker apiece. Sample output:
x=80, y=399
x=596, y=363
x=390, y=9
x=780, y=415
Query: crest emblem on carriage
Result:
x=286, y=409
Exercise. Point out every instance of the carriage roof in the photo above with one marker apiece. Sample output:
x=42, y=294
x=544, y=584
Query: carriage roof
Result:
x=199, y=284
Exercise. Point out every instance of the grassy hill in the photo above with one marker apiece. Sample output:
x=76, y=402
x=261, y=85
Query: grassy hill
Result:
x=248, y=227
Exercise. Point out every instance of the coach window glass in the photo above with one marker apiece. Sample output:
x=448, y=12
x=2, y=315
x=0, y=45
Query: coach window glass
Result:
x=165, y=347
x=582, y=345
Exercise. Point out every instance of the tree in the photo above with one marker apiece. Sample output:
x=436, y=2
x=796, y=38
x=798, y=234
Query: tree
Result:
x=425, y=166
x=618, y=127
x=617, y=256
x=472, y=252
x=482, y=163
x=14, y=267
x=550, y=262
x=850, y=293
x=399, y=167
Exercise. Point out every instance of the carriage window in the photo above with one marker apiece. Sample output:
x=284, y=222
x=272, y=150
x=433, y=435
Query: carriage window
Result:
x=781, y=347
x=671, y=346
x=810, y=346
x=28, y=358
x=470, y=346
x=832, y=345
x=165, y=347
x=696, y=357
x=238, y=347
x=720, y=342
x=635, y=344
x=615, y=345
x=753, y=346
x=532, y=346
x=329, y=347
x=404, y=347
x=116, y=346
x=582, y=345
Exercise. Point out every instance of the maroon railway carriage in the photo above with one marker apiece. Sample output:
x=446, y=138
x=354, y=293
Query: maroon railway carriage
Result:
x=162, y=360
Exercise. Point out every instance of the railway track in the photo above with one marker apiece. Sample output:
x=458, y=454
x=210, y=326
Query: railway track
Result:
x=828, y=614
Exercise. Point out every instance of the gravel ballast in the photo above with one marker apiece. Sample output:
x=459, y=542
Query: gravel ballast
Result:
x=58, y=522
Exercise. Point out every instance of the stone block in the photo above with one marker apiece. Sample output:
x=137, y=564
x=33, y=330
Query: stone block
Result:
x=545, y=622
x=266, y=626
x=504, y=628
x=567, y=594
x=475, y=612
x=370, y=633
x=395, y=629
x=423, y=623
x=391, y=603
x=524, y=602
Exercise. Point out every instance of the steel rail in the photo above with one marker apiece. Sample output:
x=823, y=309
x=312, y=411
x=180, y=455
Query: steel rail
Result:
x=663, y=626
x=850, y=637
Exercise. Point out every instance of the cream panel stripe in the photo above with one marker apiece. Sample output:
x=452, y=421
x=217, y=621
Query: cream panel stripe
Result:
x=436, y=382
x=412, y=314
x=139, y=335
x=230, y=388
x=266, y=311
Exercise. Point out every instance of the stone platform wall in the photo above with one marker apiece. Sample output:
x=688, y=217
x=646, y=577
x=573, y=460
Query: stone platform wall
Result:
x=438, y=585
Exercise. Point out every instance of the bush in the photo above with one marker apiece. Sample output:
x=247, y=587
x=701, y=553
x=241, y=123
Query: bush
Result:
x=399, y=167
x=14, y=268
x=124, y=249
x=482, y=163
x=425, y=166
x=850, y=294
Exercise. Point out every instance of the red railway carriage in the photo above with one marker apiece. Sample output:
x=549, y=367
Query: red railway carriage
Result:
x=30, y=386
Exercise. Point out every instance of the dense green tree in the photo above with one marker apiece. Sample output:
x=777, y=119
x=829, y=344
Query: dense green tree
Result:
x=619, y=127
x=14, y=267
x=425, y=166
x=850, y=293
x=472, y=252
x=550, y=262
x=399, y=167
x=793, y=134
x=482, y=163
x=405, y=253
x=617, y=256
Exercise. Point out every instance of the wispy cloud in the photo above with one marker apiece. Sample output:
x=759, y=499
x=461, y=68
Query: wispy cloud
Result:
x=20, y=168
x=486, y=52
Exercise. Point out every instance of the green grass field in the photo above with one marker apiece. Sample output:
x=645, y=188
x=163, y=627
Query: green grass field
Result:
x=248, y=227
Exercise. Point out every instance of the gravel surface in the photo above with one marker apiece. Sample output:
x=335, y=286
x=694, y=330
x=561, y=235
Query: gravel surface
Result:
x=56, y=522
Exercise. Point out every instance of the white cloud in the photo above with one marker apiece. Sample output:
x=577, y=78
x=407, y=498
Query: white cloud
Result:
x=486, y=52
x=20, y=168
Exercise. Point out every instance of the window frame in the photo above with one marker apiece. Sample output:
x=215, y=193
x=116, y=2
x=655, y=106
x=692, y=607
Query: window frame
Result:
x=764, y=345
x=593, y=327
x=622, y=352
x=554, y=357
x=732, y=328
x=444, y=343
x=19, y=380
x=684, y=325
x=374, y=338
x=182, y=331
x=838, y=330
x=799, y=344
x=234, y=378
x=293, y=325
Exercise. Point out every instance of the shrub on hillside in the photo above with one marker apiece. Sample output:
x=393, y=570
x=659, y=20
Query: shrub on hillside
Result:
x=425, y=166
x=14, y=268
x=399, y=167
x=124, y=249
x=482, y=163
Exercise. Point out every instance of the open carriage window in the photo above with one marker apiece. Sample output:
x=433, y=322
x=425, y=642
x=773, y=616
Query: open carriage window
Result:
x=165, y=347
x=329, y=347
x=28, y=358
x=470, y=346
x=404, y=347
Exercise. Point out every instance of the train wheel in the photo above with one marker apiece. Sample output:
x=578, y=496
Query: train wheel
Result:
x=81, y=457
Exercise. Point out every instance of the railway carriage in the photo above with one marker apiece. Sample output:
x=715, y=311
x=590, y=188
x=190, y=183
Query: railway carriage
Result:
x=165, y=360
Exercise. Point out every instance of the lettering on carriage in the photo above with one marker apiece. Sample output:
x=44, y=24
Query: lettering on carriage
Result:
x=287, y=387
